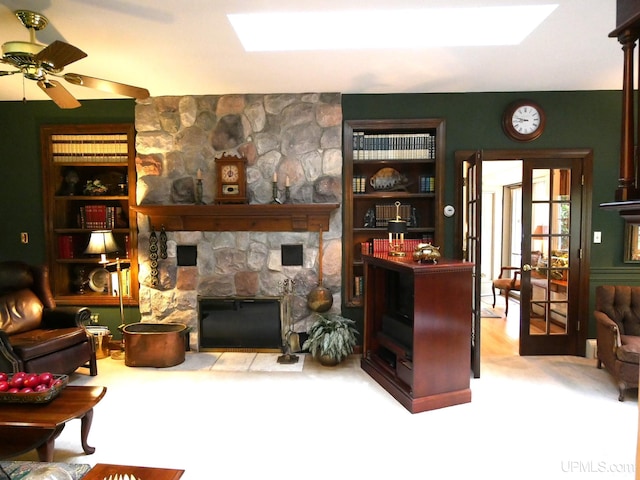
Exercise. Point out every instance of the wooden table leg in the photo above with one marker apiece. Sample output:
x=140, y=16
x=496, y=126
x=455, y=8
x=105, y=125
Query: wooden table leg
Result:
x=46, y=449
x=85, y=426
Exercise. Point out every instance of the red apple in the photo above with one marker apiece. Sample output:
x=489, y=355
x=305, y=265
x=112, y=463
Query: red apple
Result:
x=31, y=380
x=26, y=390
x=46, y=378
x=4, y=385
x=13, y=390
x=3, y=377
x=16, y=382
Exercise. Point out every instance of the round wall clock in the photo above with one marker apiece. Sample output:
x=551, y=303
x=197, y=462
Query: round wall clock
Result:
x=523, y=120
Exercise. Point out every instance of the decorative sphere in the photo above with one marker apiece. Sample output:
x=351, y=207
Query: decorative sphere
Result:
x=320, y=299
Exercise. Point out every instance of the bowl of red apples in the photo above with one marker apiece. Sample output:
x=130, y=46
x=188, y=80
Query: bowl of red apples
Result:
x=23, y=387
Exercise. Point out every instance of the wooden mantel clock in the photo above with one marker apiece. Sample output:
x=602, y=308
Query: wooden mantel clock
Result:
x=231, y=172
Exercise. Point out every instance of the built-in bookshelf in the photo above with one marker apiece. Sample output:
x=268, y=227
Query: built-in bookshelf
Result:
x=86, y=174
x=389, y=161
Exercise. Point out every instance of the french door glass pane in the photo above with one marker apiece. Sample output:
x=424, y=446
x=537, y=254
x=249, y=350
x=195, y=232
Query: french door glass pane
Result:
x=550, y=241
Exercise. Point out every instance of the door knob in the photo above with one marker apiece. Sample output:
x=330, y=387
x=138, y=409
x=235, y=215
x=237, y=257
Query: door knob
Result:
x=526, y=267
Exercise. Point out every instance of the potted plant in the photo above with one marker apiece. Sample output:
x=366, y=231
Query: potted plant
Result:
x=332, y=338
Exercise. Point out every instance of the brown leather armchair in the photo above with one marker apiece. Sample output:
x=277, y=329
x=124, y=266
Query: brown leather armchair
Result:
x=617, y=314
x=35, y=334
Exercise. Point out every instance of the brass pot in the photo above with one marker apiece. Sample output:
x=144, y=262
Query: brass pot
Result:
x=328, y=361
x=425, y=252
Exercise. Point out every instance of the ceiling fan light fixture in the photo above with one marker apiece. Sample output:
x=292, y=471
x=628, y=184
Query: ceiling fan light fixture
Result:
x=31, y=19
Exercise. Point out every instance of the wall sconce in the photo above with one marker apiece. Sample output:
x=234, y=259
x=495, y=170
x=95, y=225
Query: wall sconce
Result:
x=397, y=228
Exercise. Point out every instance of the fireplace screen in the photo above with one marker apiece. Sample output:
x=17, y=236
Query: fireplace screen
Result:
x=240, y=324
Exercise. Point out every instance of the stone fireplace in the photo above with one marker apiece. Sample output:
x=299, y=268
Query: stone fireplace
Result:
x=294, y=136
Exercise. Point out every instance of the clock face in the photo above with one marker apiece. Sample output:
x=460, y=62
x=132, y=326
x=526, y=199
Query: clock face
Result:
x=526, y=119
x=523, y=121
x=229, y=173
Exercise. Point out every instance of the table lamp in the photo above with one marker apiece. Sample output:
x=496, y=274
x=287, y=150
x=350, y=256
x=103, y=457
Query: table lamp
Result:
x=397, y=228
x=102, y=242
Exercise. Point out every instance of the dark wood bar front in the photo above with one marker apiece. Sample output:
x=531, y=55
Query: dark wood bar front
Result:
x=417, y=338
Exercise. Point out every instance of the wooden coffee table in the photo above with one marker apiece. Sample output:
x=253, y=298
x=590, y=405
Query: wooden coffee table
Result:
x=28, y=426
x=103, y=470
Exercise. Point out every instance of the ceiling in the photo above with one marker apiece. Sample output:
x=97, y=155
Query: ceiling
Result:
x=189, y=48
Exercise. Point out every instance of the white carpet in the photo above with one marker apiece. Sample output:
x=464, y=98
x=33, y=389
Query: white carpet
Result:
x=530, y=418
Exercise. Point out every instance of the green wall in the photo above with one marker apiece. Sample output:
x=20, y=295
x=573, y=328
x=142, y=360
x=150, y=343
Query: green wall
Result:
x=574, y=120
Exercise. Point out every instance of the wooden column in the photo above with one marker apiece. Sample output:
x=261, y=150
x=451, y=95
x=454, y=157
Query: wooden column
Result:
x=627, y=179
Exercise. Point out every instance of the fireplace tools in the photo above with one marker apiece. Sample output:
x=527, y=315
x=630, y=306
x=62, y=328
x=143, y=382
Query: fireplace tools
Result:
x=291, y=339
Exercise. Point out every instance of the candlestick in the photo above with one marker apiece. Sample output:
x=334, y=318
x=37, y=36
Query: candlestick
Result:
x=274, y=192
x=199, y=192
x=287, y=193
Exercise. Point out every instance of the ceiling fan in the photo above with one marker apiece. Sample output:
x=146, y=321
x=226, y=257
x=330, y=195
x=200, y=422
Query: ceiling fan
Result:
x=39, y=62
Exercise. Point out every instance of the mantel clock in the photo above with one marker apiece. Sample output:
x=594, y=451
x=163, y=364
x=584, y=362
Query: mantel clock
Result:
x=231, y=173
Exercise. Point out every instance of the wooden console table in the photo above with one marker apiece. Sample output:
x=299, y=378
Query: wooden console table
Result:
x=28, y=426
x=417, y=338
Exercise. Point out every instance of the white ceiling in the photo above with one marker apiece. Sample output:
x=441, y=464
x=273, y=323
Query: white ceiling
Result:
x=188, y=47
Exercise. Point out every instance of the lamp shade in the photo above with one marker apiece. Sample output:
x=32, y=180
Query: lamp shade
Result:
x=101, y=242
x=397, y=226
x=540, y=231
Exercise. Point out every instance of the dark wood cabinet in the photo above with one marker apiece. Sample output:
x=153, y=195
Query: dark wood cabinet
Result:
x=417, y=339
x=89, y=184
x=388, y=161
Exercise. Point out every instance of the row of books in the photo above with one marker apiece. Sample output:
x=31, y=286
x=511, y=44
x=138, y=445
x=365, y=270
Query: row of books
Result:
x=359, y=183
x=381, y=245
x=114, y=282
x=386, y=212
x=70, y=245
x=427, y=184
x=393, y=146
x=90, y=148
x=101, y=216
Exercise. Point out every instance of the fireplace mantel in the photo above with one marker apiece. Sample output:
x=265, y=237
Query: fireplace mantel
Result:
x=236, y=218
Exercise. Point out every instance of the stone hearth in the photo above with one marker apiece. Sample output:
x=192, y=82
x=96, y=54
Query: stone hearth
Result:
x=298, y=136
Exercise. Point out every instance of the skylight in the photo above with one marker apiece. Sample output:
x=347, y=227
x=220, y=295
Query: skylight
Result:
x=369, y=29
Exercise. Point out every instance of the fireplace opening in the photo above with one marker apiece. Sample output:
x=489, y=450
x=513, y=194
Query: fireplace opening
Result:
x=240, y=324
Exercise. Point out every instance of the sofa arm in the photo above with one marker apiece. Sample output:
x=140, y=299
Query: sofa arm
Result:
x=9, y=361
x=608, y=337
x=66, y=317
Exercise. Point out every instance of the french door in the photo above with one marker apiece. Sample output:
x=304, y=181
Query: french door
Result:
x=555, y=226
x=550, y=320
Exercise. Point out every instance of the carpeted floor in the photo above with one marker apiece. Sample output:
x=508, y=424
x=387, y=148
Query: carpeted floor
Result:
x=529, y=418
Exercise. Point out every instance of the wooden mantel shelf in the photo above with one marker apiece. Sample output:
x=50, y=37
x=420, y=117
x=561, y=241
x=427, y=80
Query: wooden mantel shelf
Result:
x=298, y=217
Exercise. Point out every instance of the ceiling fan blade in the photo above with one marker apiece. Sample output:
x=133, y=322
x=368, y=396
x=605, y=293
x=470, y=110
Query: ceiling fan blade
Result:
x=59, y=54
x=58, y=94
x=5, y=72
x=107, y=85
